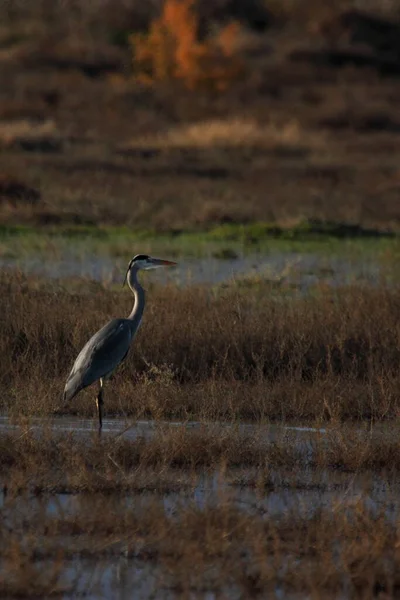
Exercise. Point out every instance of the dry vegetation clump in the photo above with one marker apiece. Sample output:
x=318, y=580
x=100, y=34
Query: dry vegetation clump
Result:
x=24, y=577
x=171, y=459
x=172, y=50
x=356, y=451
x=165, y=462
x=333, y=356
x=30, y=136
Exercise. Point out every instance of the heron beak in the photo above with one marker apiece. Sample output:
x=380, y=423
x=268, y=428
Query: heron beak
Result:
x=168, y=263
x=159, y=262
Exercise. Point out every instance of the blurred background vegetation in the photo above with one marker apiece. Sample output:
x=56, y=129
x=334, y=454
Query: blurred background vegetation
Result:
x=179, y=114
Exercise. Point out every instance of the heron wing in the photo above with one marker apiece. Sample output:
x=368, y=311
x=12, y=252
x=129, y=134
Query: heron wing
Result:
x=100, y=356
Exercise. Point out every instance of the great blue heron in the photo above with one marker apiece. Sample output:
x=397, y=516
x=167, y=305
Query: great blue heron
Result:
x=107, y=348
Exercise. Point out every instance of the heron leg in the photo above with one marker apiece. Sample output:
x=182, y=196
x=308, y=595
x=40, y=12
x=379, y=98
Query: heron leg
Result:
x=99, y=403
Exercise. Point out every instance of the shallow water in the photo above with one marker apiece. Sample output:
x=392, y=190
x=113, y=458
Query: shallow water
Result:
x=132, y=429
x=281, y=268
x=284, y=490
x=302, y=493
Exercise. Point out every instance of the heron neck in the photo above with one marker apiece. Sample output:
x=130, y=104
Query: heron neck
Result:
x=138, y=292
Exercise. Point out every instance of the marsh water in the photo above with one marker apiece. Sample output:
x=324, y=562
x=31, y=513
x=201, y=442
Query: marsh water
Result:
x=303, y=493
x=309, y=487
x=303, y=270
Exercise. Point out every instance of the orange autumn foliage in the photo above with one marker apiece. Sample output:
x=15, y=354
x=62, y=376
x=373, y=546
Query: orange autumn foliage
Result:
x=172, y=50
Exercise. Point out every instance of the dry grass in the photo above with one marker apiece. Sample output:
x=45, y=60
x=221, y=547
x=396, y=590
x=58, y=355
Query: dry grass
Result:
x=334, y=356
x=168, y=461
x=172, y=460
x=15, y=131
x=234, y=133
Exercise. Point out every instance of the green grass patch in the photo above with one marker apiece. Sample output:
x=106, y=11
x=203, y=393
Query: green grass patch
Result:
x=224, y=242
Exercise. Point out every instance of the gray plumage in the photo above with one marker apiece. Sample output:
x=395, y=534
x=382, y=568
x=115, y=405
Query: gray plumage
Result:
x=100, y=356
x=109, y=347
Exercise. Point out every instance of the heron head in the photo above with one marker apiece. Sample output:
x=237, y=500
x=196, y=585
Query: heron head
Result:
x=145, y=262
